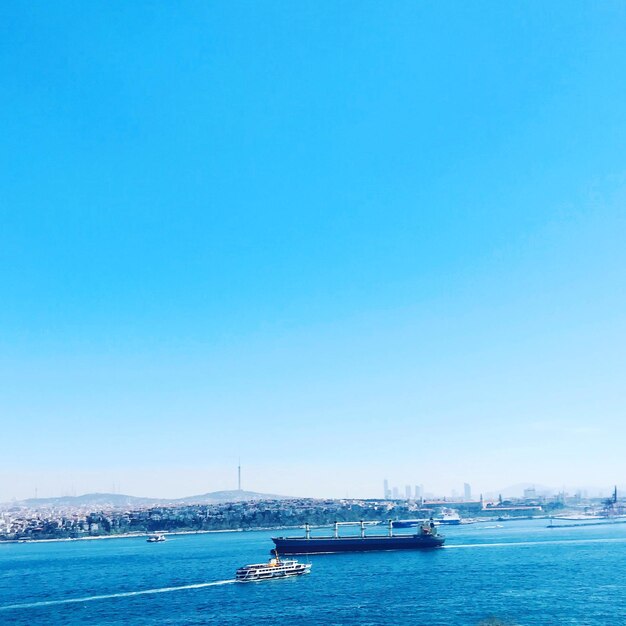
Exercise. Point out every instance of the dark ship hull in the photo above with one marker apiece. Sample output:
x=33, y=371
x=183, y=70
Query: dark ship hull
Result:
x=316, y=545
x=440, y=521
x=407, y=523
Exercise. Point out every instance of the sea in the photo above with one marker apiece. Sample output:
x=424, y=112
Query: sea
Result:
x=513, y=572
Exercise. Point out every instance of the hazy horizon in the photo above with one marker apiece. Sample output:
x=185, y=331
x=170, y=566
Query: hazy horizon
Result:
x=183, y=483
x=342, y=242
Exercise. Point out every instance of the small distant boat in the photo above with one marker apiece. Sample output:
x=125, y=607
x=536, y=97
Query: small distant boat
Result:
x=275, y=568
x=156, y=538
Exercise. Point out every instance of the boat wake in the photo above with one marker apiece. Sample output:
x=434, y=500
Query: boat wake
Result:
x=509, y=544
x=123, y=594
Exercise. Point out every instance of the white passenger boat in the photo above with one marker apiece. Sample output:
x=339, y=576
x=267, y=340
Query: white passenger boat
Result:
x=275, y=568
x=156, y=538
x=448, y=517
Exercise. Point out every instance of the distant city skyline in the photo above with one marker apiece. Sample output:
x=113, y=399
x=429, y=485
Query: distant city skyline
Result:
x=189, y=482
x=342, y=242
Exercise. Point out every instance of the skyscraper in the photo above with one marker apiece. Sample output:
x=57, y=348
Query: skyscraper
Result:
x=467, y=492
x=407, y=491
x=386, y=489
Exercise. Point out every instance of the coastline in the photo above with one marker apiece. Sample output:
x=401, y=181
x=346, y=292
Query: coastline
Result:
x=136, y=534
x=132, y=535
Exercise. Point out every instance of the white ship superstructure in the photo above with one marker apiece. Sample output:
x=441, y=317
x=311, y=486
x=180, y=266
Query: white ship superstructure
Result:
x=276, y=568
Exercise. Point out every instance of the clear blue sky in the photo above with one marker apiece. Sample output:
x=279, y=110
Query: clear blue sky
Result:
x=343, y=241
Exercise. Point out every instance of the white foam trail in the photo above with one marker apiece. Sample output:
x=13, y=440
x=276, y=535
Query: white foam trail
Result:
x=557, y=542
x=124, y=594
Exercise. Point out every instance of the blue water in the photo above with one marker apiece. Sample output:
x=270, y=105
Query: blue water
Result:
x=520, y=572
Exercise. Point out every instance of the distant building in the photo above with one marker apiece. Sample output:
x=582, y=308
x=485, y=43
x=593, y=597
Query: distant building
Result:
x=530, y=493
x=407, y=491
x=467, y=492
x=386, y=489
x=396, y=493
x=418, y=492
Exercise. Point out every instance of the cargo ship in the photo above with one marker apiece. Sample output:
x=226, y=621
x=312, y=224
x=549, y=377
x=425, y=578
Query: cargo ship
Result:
x=426, y=537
